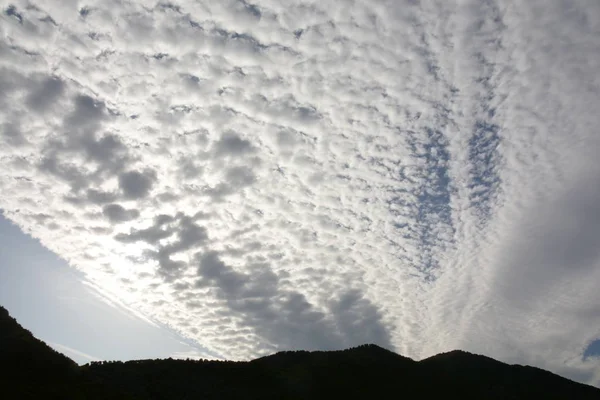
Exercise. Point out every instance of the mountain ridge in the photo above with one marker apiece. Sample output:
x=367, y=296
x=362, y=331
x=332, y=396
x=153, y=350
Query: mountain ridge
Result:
x=38, y=371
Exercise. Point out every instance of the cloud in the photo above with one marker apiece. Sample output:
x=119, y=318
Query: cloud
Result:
x=73, y=353
x=284, y=317
x=116, y=213
x=187, y=233
x=231, y=144
x=12, y=134
x=151, y=235
x=45, y=95
x=136, y=184
x=99, y=197
x=261, y=176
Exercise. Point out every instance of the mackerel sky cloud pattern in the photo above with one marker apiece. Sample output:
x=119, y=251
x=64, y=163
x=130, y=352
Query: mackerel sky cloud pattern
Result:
x=273, y=175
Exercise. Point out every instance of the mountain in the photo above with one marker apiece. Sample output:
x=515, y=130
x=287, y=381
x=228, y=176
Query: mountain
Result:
x=467, y=374
x=32, y=370
x=29, y=366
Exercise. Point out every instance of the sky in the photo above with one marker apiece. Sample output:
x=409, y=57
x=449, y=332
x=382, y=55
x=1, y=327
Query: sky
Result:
x=241, y=178
x=71, y=314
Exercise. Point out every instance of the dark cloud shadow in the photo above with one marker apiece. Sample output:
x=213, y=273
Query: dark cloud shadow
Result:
x=231, y=144
x=137, y=184
x=284, y=318
x=83, y=155
x=11, y=134
x=116, y=213
x=44, y=94
x=186, y=232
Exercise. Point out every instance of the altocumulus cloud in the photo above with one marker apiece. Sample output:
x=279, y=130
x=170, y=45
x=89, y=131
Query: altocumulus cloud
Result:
x=278, y=175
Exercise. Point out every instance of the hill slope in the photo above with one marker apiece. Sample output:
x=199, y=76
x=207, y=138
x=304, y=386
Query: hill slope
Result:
x=29, y=366
x=368, y=371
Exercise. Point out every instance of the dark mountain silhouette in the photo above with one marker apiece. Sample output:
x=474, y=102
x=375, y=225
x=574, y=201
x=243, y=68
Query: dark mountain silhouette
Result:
x=25, y=360
x=32, y=370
